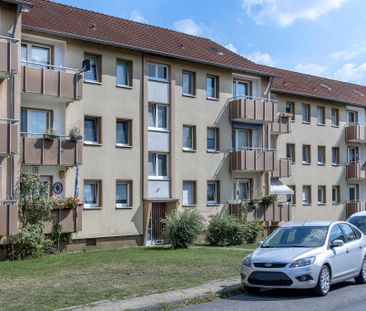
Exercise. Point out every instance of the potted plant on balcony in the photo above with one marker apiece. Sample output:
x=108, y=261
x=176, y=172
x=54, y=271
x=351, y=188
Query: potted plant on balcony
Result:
x=50, y=134
x=68, y=202
x=75, y=133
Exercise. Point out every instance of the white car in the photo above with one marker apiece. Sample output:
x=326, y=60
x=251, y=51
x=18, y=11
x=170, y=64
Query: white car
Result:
x=307, y=255
x=359, y=221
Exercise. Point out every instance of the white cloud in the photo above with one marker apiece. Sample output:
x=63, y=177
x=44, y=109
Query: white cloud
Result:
x=190, y=27
x=136, y=16
x=312, y=69
x=347, y=55
x=286, y=12
x=261, y=58
x=231, y=47
x=351, y=72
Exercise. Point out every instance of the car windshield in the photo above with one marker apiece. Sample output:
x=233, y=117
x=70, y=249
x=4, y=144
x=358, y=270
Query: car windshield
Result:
x=359, y=222
x=299, y=236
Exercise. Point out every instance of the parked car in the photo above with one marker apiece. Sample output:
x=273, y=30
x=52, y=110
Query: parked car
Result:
x=307, y=255
x=359, y=221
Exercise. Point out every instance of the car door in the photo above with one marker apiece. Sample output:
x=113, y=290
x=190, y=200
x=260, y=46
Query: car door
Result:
x=353, y=248
x=338, y=255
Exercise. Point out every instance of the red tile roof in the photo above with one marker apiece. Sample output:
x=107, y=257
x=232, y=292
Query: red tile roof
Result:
x=51, y=17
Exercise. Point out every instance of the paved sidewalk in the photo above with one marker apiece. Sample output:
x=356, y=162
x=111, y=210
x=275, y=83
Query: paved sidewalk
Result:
x=155, y=300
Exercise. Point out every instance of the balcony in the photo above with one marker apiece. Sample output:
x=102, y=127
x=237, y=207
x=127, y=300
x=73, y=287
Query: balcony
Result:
x=355, y=133
x=9, y=61
x=259, y=110
x=69, y=218
x=355, y=170
x=283, y=169
x=54, y=150
x=53, y=82
x=274, y=212
x=8, y=219
x=253, y=160
x=354, y=207
x=281, y=126
x=8, y=137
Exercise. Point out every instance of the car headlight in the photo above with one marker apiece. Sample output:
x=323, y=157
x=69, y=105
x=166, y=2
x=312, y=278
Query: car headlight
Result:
x=247, y=261
x=302, y=262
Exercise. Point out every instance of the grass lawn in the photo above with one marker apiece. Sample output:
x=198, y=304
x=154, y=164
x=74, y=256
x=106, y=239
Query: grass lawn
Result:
x=76, y=278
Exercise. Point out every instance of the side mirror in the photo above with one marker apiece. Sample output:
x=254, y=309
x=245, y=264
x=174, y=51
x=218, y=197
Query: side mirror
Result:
x=259, y=243
x=86, y=65
x=337, y=243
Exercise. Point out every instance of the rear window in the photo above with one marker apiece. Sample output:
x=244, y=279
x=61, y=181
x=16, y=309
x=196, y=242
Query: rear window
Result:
x=359, y=222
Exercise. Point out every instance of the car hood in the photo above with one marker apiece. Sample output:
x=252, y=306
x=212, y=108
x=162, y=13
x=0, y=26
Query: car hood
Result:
x=283, y=254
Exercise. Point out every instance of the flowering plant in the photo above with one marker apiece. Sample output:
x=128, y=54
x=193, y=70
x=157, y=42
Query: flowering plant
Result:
x=68, y=202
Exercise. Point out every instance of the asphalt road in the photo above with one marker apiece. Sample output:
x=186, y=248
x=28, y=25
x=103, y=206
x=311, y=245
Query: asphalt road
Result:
x=346, y=296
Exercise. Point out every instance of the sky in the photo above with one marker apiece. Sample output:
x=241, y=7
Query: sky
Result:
x=320, y=37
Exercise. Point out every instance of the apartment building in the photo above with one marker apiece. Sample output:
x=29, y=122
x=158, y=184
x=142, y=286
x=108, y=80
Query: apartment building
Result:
x=166, y=120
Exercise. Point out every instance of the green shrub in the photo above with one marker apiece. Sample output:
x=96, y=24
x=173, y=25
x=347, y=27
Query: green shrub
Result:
x=252, y=230
x=183, y=228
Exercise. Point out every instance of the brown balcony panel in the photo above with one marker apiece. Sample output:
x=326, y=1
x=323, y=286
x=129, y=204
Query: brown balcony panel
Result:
x=252, y=160
x=355, y=133
x=8, y=220
x=69, y=218
x=260, y=110
x=8, y=144
x=54, y=83
x=41, y=151
x=355, y=171
x=8, y=67
x=283, y=169
x=354, y=207
x=281, y=126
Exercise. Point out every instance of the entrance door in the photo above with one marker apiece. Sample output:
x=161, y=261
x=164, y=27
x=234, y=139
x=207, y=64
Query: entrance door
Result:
x=158, y=212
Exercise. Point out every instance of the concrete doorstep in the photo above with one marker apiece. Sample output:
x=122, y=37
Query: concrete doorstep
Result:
x=155, y=301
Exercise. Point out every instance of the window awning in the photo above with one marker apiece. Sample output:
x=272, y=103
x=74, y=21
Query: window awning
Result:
x=280, y=189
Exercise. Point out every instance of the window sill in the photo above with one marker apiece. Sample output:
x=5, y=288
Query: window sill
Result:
x=123, y=207
x=335, y=126
x=322, y=204
x=305, y=122
x=189, y=150
x=128, y=87
x=306, y=204
x=156, y=129
x=189, y=95
x=123, y=146
x=306, y=163
x=213, y=151
x=91, y=144
x=335, y=165
x=93, y=82
x=158, y=80
x=320, y=124
x=92, y=208
x=155, y=178
x=213, y=204
x=189, y=205
x=321, y=164
x=213, y=98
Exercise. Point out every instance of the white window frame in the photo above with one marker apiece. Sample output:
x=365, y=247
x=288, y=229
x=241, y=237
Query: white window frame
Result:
x=336, y=189
x=292, y=156
x=216, y=131
x=292, y=105
x=91, y=142
x=97, y=73
x=308, y=115
x=357, y=154
x=236, y=188
x=324, y=155
x=29, y=47
x=304, y=147
x=156, y=117
x=215, y=78
x=156, y=155
x=215, y=201
x=128, y=204
x=191, y=82
x=334, y=163
x=29, y=112
x=355, y=113
x=129, y=80
x=156, y=78
x=193, y=203
x=320, y=113
x=98, y=186
x=353, y=187
x=235, y=85
x=237, y=131
x=129, y=125
x=304, y=202
x=192, y=133
x=322, y=199
x=336, y=110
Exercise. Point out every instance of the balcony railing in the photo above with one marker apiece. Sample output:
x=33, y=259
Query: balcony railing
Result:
x=355, y=170
x=50, y=80
x=260, y=110
x=252, y=159
x=9, y=61
x=8, y=137
x=69, y=218
x=281, y=126
x=42, y=149
x=273, y=212
x=8, y=219
x=355, y=133
x=354, y=207
x=283, y=169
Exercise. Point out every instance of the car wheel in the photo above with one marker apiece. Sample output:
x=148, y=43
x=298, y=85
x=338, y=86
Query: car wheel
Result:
x=252, y=290
x=323, y=285
x=361, y=278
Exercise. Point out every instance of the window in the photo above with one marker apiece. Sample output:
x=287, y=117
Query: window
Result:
x=306, y=156
x=123, y=194
x=352, y=116
x=92, y=130
x=212, y=192
x=335, y=156
x=158, y=72
x=158, y=165
x=92, y=191
x=305, y=113
x=94, y=74
x=188, y=83
x=349, y=234
x=242, y=138
x=240, y=88
x=47, y=181
x=306, y=195
x=336, y=234
x=352, y=155
x=290, y=152
x=123, y=133
x=321, y=195
x=241, y=189
x=124, y=73
x=36, y=55
x=321, y=155
x=35, y=121
x=212, y=139
x=335, y=117
x=189, y=137
x=290, y=108
x=335, y=195
x=291, y=198
x=353, y=193
x=158, y=116
x=189, y=193
x=321, y=115
x=211, y=87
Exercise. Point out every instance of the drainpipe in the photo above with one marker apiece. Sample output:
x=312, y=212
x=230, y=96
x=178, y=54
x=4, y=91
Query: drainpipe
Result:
x=267, y=94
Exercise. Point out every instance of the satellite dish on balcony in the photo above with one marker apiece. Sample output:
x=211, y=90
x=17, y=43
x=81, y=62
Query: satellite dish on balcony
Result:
x=86, y=65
